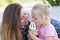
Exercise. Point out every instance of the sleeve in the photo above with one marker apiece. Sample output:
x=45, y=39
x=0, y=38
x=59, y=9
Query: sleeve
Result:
x=49, y=31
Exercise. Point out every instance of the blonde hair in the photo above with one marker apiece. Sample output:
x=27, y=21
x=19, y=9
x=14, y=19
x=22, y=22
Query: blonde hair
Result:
x=43, y=9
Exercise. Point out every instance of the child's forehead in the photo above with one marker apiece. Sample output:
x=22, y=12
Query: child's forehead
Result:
x=36, y=12
x=35, y=15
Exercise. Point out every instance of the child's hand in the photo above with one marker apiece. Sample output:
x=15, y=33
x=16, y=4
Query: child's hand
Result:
x=34, y=32
x=33, y=36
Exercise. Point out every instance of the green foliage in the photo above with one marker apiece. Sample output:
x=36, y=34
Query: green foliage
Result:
x=2, y=2
x=9, y=1
x=54, y=2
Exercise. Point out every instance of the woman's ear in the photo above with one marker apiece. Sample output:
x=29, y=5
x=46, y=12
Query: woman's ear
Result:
x=16, y=17
x=18, y=20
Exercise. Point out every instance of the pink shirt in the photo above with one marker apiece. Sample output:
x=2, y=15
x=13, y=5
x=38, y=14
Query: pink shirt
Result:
x=48, y=30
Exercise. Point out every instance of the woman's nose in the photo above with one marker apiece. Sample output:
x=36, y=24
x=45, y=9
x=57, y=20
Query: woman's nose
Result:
x=26, y=17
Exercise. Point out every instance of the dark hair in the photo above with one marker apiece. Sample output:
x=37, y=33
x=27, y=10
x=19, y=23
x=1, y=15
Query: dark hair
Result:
x=10, y=23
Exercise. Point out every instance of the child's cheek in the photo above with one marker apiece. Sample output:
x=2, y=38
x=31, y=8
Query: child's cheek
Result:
x=37, y=23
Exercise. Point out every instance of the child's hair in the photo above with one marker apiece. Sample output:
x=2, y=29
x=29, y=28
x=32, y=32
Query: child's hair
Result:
x=42, y=9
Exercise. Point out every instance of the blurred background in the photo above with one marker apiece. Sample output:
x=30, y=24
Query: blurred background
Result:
x=55, y=10
x=28, y=4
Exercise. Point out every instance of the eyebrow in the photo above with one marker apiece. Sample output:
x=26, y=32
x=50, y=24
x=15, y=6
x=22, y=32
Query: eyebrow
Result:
x=22, y=16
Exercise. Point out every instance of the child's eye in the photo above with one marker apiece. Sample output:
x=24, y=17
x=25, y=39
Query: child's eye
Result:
x=35, y=18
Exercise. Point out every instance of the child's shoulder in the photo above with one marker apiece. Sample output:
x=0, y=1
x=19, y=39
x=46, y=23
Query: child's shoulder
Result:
x=50, y=30
x=50, y=25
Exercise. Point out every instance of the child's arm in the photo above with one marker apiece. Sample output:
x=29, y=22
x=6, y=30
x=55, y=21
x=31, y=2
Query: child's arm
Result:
x=36, y=38
x=49, y=38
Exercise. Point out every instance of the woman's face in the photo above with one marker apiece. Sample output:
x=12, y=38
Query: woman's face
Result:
x=24, y=18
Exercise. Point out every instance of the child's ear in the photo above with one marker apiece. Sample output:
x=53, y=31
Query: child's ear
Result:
x=43, y=16
x=46, y=17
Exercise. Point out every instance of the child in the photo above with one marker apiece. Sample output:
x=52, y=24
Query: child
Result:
x=40, y=15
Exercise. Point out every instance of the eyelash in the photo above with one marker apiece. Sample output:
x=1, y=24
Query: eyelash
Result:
x=34, y=18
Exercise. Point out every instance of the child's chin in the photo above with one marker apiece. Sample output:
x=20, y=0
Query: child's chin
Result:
x=37, y=25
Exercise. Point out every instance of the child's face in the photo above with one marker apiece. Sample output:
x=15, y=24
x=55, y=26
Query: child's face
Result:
x=37, y=19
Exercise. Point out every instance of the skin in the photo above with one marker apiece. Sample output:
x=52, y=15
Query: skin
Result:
x=39, y=21
x=24, y=18
x=32, y=36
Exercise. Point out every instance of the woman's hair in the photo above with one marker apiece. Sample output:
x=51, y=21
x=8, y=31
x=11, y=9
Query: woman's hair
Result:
x=11, y=22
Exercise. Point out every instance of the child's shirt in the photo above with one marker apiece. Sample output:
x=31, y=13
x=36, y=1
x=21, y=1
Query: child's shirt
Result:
x=48, y=30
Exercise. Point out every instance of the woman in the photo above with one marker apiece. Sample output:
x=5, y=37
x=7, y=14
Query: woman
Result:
x=24, y=25
x=11, y=23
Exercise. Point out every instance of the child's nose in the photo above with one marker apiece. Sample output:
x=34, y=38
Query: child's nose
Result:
x=32, y=20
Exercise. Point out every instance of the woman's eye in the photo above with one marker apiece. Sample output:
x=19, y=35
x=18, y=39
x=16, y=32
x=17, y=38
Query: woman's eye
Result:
x=22, y=18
